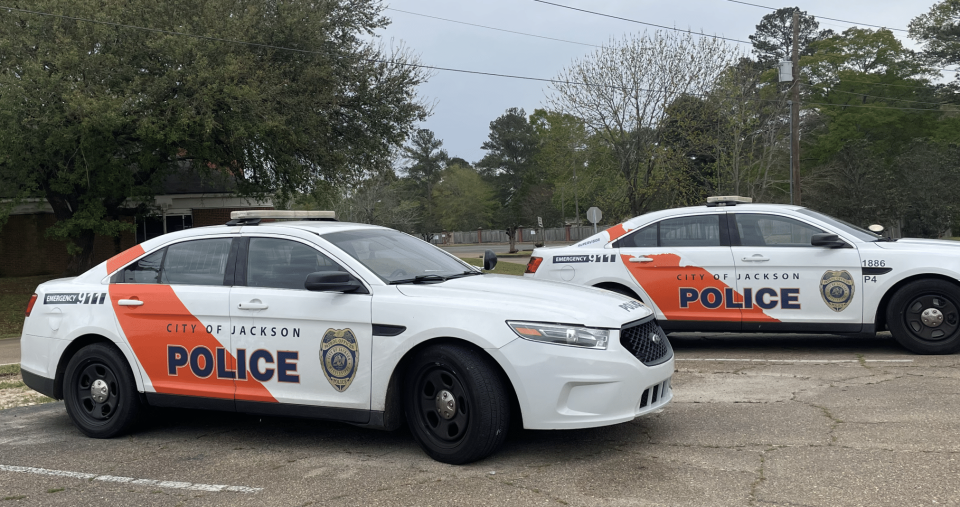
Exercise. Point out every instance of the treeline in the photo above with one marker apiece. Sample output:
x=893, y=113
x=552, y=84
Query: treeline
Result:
x=659, y=120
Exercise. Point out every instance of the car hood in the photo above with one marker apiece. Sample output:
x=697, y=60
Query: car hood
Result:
x=517, y=298
x=919, y=244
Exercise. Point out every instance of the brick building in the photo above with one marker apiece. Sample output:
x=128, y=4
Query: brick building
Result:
x=26, y=250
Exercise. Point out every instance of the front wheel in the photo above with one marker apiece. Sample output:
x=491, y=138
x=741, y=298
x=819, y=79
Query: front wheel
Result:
x=456, y=404
x=924, y=317
x=100, y=393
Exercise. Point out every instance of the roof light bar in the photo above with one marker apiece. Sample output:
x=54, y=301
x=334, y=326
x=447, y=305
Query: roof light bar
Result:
x=283, y=214
x=727, y=200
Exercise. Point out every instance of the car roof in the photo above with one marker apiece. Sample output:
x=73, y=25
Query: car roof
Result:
x=655, y=215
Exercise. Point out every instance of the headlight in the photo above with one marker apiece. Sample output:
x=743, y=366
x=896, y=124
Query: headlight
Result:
x=560, y=334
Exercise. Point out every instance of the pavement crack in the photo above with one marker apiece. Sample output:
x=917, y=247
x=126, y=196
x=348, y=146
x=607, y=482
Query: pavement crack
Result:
x=537, y=491
x=760, y=474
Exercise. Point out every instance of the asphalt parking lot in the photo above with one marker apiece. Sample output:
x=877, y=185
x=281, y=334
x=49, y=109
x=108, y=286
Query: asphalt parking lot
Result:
x=756, y=420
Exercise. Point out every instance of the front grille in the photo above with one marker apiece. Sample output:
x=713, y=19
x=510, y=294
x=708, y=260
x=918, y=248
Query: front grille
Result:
x=647, y=342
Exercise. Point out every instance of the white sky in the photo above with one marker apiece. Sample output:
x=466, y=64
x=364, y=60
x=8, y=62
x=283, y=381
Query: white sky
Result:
x=466, y=104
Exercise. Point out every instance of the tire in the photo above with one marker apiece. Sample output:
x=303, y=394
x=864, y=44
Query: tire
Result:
x=477, y=425
x=937, y=332
x=107, y=413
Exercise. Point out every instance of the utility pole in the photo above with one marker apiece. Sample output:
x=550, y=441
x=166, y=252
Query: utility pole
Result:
x=795, y=115
x=576, y=193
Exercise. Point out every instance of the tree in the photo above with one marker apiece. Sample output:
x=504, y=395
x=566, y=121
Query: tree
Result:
x=511, y=147
x=753, y=142
x=863, y=67
x=622, y=91
x=773, y=40
x=562, y=152
x=427, y=160
x=94, y=115
x=937, y=31
x=466, y=200
x=691, y=130
x=886, y=158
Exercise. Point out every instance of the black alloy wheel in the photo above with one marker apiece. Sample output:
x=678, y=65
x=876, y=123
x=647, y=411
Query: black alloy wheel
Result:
x=456, y=404
x=96, y=391
x=443, y=404
x=924, y=317
x=99, y=392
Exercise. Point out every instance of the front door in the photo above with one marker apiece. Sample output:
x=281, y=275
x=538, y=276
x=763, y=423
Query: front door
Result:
x=789, y=284
x=684, y=268
x=306, y=348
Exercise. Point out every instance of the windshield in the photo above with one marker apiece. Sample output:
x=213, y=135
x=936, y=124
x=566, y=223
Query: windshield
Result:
x=397, y=257
x=853, y=230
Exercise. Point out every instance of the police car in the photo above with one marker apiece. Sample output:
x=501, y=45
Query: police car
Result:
x=737, y=266
x=340, y=321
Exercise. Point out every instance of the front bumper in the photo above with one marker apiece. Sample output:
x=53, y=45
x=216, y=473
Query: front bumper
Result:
x=561, y=387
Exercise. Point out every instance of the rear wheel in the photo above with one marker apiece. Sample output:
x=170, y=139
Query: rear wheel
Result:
x=924, y=317
x=456, y=404
x=100, y=393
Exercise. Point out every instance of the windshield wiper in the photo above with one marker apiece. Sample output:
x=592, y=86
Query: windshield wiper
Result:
x=884, y=239
x=465, y=273
x=421, y=279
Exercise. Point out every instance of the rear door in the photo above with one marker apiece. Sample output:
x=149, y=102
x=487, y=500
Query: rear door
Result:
x=684, y=268
x=172, y=306
x=789, y=284
x=305, y=348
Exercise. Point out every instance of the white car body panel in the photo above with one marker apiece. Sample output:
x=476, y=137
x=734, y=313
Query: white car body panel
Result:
x=808, y=271
x=197, y=342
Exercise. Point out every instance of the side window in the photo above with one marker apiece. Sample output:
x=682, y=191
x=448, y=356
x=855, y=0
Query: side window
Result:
x=283, y=264
x=773, y=230
x=200, y=262
x=644, y=238
x=145, y=270
x=702, y=230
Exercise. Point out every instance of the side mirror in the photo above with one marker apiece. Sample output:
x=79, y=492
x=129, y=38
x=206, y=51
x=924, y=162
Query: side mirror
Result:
x=333, y=281
x=875, y=228
x=489, y=260
x=828, y=240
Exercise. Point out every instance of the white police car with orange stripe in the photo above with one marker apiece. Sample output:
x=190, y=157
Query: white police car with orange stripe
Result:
x=339, y=321
x=736, y=266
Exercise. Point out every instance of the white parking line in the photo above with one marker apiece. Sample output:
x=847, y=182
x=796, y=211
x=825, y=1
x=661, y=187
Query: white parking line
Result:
x=130, y=480
x=797, y=360
x=8, y=364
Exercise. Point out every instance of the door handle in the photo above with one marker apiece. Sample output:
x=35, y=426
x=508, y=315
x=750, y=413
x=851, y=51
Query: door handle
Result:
x=252, y=305
x=130, y=302
x=641, y=259
x=755, y=258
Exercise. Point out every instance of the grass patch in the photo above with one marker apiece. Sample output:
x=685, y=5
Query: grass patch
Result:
x=503, y=268
x=55, y=490
x=15, y=497
x=11, y=384
x=10, y=369
x=15, y=293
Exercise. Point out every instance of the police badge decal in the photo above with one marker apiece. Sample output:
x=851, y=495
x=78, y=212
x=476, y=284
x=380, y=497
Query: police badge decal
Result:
x=338, y=355
x=836, y=288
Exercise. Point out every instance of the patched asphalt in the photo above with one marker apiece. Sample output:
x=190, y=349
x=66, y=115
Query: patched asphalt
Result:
x=756, y=420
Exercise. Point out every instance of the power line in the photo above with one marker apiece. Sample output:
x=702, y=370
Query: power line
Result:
x=493, y=28
x=686, y=31
x=691, y=32
x=871, y=96
x=822, y=17
x=844, y=80
x=415, y=65
x=874, y=107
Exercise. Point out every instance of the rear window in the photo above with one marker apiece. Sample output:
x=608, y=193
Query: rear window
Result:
x=201, y=262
